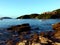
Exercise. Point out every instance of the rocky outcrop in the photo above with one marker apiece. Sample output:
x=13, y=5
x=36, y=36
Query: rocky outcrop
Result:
x=56, y=28
x=20, y=28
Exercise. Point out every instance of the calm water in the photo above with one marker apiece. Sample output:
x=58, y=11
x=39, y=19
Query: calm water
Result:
x=33, y=22
x=43, y=25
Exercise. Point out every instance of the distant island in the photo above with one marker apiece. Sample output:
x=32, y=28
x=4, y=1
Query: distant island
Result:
x=46, y=15
x=5, y=18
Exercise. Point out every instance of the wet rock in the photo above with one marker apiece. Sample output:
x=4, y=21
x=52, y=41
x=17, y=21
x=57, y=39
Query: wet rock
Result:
x=9, y=42
x=22, y=41
x=20, y=28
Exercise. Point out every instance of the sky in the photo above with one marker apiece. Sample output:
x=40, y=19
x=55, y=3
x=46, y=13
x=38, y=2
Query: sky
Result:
x=16, y=8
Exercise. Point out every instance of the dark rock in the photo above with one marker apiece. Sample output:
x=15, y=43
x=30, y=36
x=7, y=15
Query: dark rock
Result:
x=20, y=28
x=9, y=42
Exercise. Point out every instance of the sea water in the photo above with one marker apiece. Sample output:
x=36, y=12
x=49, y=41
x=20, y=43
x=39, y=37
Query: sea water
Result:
x=40, y=24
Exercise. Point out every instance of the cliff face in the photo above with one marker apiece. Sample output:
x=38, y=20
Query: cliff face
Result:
x=47, y=15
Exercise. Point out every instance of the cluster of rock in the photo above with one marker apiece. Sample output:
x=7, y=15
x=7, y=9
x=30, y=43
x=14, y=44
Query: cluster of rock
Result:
x=36, y=39
x=26, y=38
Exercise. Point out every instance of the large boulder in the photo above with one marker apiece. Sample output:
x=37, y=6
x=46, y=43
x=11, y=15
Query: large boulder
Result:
x=20, y=28
x=56, y=28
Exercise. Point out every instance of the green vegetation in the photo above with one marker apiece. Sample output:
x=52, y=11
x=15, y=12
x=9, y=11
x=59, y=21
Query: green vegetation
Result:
x=46, y=15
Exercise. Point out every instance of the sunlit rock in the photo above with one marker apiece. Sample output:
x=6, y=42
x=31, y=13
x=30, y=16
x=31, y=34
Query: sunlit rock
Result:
x=56, y=28
x=43, y=39
x=36, y=44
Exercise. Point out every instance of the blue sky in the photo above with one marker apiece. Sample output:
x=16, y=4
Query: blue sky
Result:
x=16, y=8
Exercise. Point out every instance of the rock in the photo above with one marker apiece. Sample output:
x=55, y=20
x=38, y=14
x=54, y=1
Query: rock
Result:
x=49, y=34
x=20, y=28
x=36, y=44
x=9, y=42
x=43, y=39
x=57, y=35
x=35, y=38
x=56, y=28
x=20, y=43
x=56, y=43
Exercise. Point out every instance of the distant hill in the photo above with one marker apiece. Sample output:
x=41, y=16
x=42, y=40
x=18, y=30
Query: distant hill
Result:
x=31, y=16
x=46, y=15
x=5, y=18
